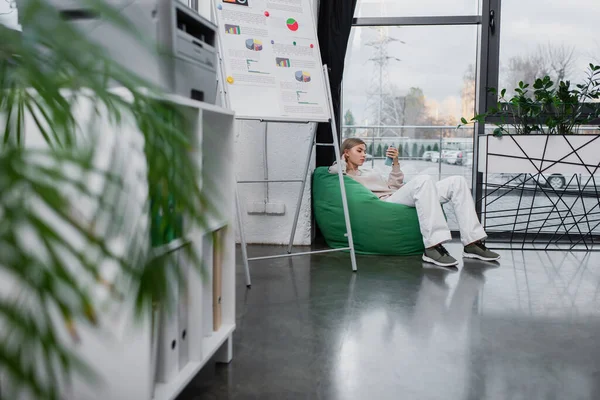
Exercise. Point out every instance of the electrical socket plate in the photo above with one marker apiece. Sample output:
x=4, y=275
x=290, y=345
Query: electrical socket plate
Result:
x=275, y=208
x=256, y=207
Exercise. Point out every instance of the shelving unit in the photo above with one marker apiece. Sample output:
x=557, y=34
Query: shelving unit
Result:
x=157, y=357
x=210, y=345
x=194, y=342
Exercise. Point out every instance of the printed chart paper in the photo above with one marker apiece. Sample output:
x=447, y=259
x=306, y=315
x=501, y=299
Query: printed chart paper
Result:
x=271, y=58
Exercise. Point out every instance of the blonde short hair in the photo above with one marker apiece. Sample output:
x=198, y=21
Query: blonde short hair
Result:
x=350, y=143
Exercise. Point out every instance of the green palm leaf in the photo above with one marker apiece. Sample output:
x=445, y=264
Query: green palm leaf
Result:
x=51, y=256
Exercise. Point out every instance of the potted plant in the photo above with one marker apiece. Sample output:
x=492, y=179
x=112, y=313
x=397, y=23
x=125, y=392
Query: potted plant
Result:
x=535, y=129
x=49, y=282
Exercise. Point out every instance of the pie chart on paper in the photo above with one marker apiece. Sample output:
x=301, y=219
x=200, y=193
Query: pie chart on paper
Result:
x=292, y=24
x=254, y=44
x=302, y=76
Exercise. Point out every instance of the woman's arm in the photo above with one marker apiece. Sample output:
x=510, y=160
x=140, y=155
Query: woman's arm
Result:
x=396, y=178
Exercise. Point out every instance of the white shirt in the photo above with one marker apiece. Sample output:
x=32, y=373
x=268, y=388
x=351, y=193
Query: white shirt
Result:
x=373, y=180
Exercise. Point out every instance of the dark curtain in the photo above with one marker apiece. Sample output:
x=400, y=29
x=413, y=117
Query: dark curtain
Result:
x=333, y=30
x=335, y=22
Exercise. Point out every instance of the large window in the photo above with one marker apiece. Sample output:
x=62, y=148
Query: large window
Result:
x=550, y=37
x=413, y=69
x=408, y=87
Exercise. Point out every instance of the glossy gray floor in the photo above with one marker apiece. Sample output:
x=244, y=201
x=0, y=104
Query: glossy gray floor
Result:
x=526, y=328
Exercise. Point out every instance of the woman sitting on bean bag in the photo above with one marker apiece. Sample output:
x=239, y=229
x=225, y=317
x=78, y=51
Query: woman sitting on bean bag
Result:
x=426, y=197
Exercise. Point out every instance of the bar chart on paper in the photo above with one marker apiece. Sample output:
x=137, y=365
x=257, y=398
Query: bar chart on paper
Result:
x=232, y=29
x=283, y=62
x=304, y=97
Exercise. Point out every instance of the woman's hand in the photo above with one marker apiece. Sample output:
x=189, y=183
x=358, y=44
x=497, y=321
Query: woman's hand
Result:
x=392, y=152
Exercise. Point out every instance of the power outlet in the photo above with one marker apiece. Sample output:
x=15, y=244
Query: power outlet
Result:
x=256, y=208
x=275, y=208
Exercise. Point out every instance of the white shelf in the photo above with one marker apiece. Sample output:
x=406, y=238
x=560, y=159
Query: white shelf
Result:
x=210, y=345
x=169, y=247
x=215, y=225
x=212, y=148
x=175, y=99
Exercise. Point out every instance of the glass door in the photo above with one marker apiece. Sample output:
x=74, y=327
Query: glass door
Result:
x=407, y=83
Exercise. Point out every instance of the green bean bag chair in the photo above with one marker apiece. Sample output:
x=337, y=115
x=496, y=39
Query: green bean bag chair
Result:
x=378, y=227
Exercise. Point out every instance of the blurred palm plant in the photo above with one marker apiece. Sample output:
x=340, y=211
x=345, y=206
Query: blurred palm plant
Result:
x=47, y=278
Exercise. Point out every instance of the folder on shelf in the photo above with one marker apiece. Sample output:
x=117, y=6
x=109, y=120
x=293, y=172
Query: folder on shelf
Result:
x=183, y=311
x=207, y=287
x=195, y=286
x=217, y=278
x=168, y=346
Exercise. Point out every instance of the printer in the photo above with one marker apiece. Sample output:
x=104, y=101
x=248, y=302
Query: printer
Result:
x=179, y=50
x=191, y=40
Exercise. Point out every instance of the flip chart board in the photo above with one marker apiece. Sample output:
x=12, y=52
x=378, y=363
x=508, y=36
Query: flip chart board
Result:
x=271, y=60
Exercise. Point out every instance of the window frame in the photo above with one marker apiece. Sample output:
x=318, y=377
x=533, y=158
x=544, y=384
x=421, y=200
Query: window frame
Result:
x=487, y=63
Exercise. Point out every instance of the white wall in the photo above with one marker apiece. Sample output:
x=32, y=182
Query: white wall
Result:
x=287, y=149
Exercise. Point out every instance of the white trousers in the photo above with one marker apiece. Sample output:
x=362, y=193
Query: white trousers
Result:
x=427, y=197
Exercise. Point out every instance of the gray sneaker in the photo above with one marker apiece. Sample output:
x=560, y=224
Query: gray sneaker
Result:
x=479, y=251
x=438, y=255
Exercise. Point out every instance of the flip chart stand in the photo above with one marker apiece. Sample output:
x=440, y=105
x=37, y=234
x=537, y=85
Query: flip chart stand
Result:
x=312, y=144
x=225, y=102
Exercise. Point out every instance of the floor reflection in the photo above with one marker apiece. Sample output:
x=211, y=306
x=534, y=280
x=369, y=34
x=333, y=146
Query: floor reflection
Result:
x=423, y=350
x=309, y=328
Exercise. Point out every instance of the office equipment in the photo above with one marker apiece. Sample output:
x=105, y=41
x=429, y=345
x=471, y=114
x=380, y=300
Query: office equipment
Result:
x=180, y=55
